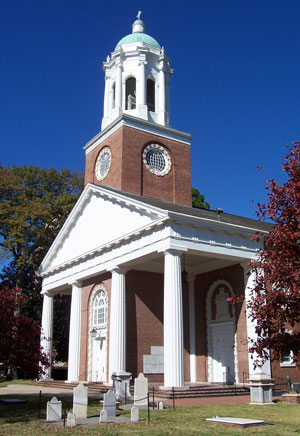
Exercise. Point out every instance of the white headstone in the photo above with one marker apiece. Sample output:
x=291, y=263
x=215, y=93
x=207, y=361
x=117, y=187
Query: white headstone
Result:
x=109, y=403
x=135, y=412
x=103, y=416
x=80, y=401
x=160, y=405
x=141, y=390
x=71, y=420
x=54, y=408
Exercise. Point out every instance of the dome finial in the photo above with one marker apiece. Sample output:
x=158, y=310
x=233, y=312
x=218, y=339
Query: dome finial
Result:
x=138, y=26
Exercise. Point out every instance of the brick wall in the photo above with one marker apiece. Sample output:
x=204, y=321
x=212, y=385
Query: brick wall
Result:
x=128, y=173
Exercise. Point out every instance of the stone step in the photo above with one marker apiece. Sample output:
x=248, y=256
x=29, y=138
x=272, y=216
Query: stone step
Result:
x=193, y=391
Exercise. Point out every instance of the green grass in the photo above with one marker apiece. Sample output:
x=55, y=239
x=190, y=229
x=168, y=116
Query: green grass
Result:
x=4, y=383
x=282, y=420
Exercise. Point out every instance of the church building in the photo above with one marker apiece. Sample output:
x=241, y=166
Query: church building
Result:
x=150, y=276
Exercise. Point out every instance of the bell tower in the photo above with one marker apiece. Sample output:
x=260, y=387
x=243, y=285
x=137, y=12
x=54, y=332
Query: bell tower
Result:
x=137, y=150
x=137, y=77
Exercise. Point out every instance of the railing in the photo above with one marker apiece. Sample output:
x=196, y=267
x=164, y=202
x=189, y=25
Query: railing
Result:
x=280, y=384
x=245, y=378
x=229, y=379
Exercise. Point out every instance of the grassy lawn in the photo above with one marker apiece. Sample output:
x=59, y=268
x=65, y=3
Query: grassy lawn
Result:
x=282, y=420
x=4, y=383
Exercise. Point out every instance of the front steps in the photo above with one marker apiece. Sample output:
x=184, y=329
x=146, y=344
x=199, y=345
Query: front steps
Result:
x=192, y=391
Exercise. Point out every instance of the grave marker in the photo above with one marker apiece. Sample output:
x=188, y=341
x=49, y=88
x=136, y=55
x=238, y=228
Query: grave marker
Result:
x=54, y=408
x=80, y=401
x=141, y=390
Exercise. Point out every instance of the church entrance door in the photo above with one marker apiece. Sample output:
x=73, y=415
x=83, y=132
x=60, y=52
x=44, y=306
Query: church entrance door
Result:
x=99, y=360
x=223, y=353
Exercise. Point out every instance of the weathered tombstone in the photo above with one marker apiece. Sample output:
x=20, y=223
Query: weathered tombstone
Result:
x=121, y=384
x=109, y=403
x=54, y=408
x=160, y=405
x=80, y=401
x=141, y=390
x=103, y=416
x=135, y=414
x=71, y=420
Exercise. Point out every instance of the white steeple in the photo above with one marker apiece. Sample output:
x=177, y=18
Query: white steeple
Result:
x=137, y=77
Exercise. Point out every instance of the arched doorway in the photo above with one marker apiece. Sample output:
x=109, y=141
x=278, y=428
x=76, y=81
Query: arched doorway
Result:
x=98, y=335
x=221, y=340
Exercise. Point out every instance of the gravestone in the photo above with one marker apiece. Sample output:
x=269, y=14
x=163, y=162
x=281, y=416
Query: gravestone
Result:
x=109, y=403
x=121, y=384
x=135, y=414
x=141, y=390
x=103, y=416
x=54, y=408
x=80, y=401
x=160, y=405
x=261, y=387
x=71, y=420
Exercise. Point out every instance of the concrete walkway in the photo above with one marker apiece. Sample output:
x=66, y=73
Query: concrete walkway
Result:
x=20, y=389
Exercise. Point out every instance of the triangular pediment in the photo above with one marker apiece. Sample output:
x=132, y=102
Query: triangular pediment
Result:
x=99, y=217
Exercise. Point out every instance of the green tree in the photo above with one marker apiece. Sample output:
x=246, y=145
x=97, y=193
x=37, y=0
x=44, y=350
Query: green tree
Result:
x=198, y=200
x=34, y=204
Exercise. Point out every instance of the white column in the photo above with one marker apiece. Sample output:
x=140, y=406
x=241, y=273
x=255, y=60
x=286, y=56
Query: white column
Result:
x=173, y=320
x=142, y=81
x=162, y=95
x=191, y=283
x=117, y=326
x=119, y=87
x=47, y=330
x=74, y=334
x=249, y=281
x=107, y=97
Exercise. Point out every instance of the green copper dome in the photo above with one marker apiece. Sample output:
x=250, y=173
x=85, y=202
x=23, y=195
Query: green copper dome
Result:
x=138, y=37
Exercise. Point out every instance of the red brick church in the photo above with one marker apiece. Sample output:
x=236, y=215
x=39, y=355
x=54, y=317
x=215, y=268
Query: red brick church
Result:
x=149, y=275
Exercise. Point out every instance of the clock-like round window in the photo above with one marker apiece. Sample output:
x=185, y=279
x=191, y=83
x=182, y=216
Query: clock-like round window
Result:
x=103, y=163
x=157, y=159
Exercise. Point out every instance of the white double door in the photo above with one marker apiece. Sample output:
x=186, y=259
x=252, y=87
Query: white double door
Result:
x=223, y=353
x=99, y=359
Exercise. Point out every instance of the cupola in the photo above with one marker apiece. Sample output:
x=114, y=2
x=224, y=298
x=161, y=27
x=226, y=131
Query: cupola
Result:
x=137, y=76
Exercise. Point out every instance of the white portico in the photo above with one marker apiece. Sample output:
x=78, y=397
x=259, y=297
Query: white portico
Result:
x=147, y=236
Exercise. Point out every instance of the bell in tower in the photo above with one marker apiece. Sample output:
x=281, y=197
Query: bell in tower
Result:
x=137, y=76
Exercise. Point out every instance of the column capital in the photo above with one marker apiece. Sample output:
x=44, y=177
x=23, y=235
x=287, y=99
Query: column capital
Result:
x=76, y=283
x=245, y=265
x=174, y=251
x=118, y=270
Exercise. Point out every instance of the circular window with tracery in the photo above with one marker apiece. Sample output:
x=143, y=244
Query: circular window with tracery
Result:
x=103, y=163
x=157, y=159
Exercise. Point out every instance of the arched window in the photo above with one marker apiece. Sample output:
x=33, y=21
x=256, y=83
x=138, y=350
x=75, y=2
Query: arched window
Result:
x=151, y=95
x=100, y=309
x=130, y=93
x=114, y=95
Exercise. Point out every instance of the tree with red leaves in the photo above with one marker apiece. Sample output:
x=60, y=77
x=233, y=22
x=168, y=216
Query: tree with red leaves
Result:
x=275, y=299
x=20, y=348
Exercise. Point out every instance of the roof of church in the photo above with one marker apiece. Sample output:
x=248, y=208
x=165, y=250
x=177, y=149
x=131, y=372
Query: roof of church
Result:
x=197, y=212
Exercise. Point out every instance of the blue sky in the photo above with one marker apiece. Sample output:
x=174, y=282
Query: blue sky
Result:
x=235, y=85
